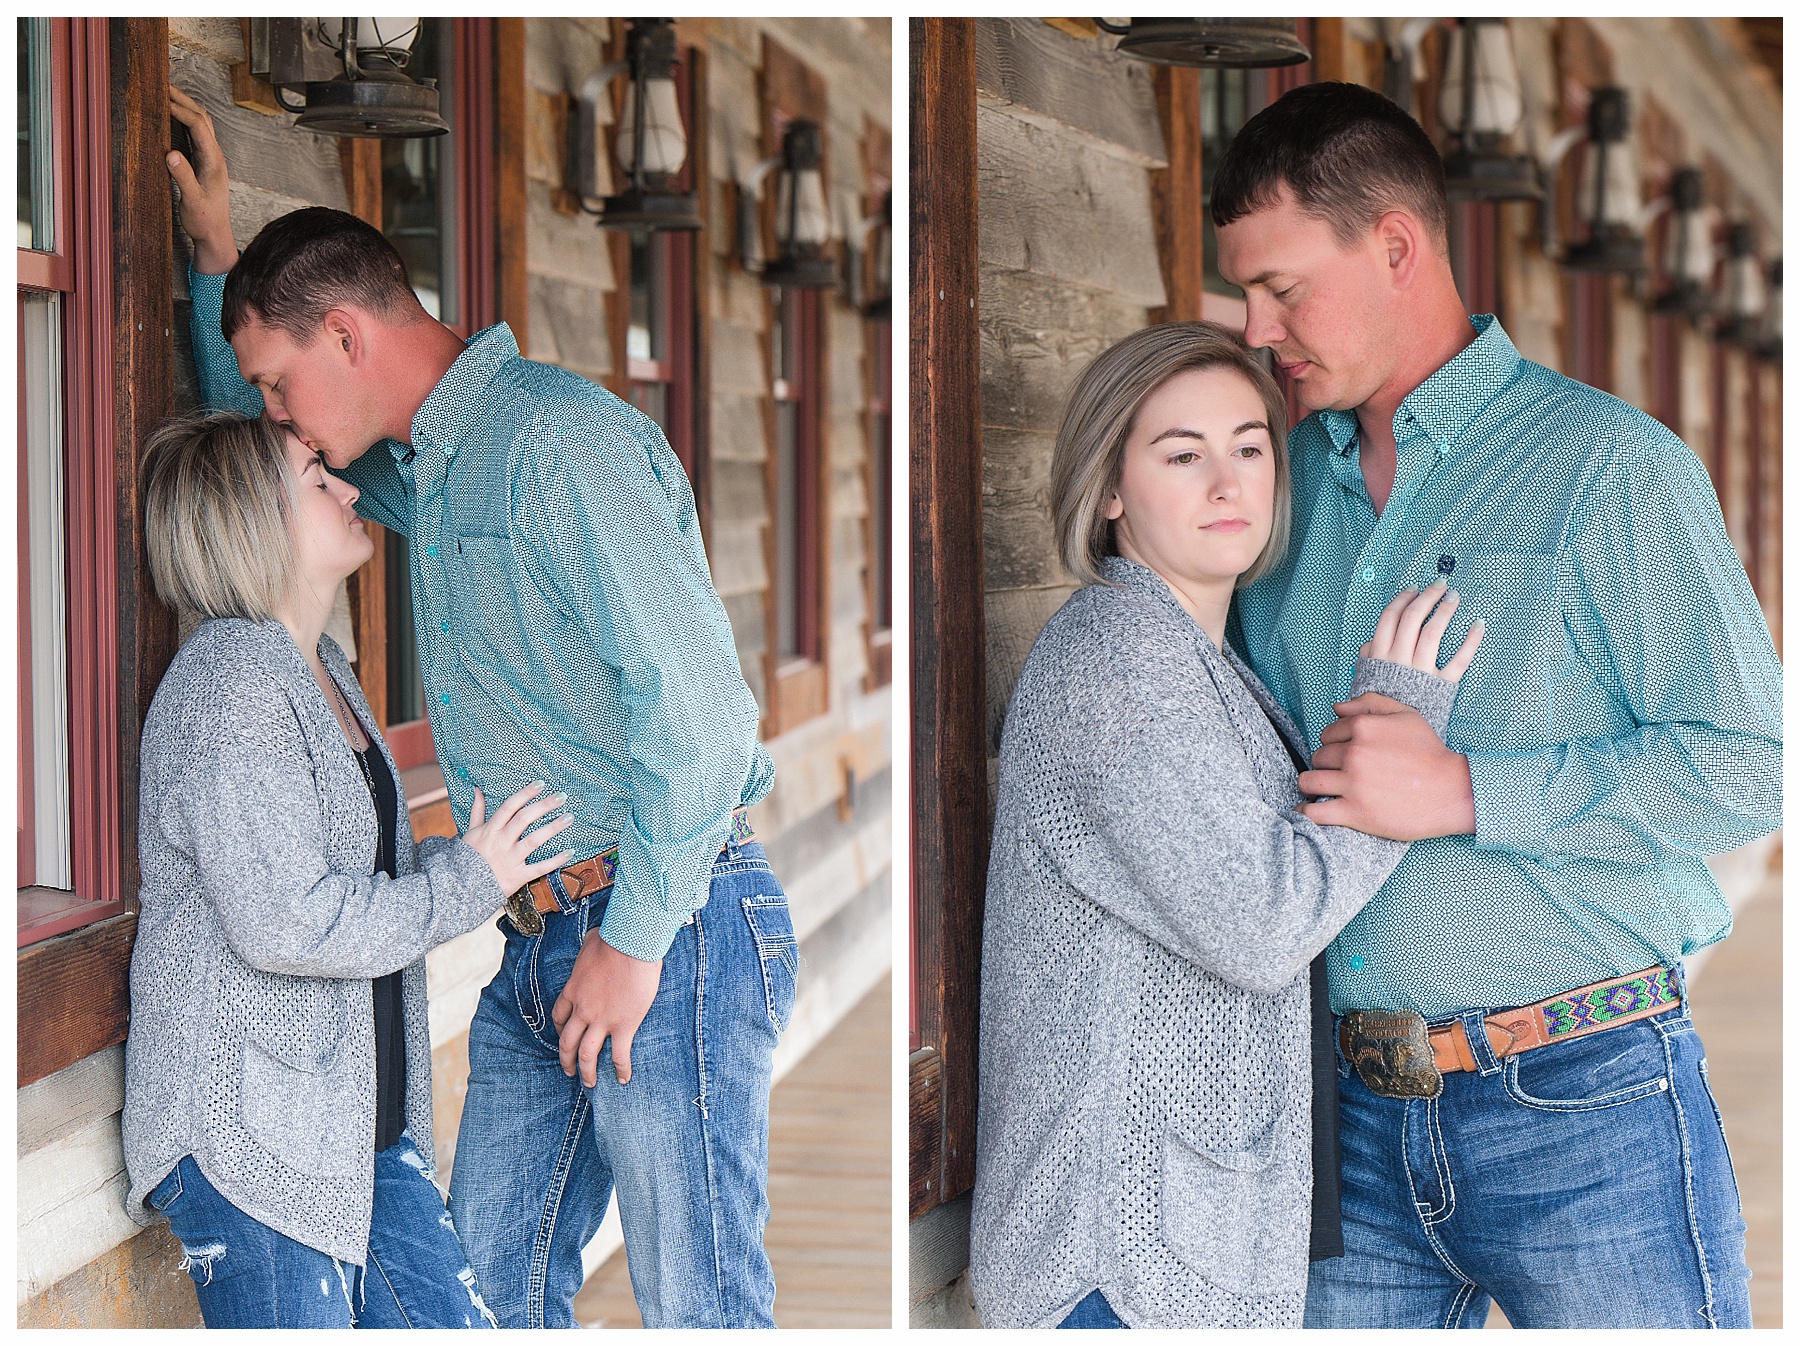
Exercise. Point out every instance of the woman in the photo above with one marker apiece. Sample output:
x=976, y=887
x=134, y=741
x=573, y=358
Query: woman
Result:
x=1154, y=894
x=278, y=1068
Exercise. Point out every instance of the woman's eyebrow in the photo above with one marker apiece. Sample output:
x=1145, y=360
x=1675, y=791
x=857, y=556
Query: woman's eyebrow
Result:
x=1179, y=432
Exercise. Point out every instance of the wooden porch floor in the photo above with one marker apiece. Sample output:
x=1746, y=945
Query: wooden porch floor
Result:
x=830, y=1228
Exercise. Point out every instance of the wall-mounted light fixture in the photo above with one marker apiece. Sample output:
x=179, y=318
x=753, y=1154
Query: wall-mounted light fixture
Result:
x=868, y=262
x=351, y=74
x=650, y=145
x=1745, y=297
x=1689, y=257
x=1770, y=345
x=1210, y=42
x=1481, y=104
x=1609, y=206
x=802, y=224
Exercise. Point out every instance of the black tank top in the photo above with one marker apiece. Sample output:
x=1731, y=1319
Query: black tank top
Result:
x=390, y=1035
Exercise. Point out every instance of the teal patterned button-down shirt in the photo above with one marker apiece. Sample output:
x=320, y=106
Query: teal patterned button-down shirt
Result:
x=567, y=624
x=1621, y=720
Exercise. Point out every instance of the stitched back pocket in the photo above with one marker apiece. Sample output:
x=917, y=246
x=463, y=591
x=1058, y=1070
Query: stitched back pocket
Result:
x=772, y=927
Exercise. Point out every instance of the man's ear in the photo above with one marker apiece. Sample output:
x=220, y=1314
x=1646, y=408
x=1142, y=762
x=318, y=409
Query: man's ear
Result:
x=1406, y=243
x=345, y=330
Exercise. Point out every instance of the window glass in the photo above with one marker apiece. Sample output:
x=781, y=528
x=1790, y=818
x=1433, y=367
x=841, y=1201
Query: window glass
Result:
x=44, y=740
x=36, y=216
x=783, y=341
x=416, y=186
x=647, y=338
x=406, y=684
x=881, y=503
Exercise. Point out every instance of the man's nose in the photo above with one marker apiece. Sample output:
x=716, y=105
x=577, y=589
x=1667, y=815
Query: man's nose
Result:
x=1260, y=325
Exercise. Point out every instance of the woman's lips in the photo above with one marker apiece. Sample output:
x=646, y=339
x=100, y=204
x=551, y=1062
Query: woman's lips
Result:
x=1226, y=526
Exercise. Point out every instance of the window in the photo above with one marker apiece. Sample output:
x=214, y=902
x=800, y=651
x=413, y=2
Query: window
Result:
x=659, y=337
x=796, y=581
x=881, y=502
x=418, y=186
x=69, y=838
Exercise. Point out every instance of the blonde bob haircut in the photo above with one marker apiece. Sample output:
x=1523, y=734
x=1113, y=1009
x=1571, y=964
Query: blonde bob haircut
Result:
x=1090, y=445
x=217, y=497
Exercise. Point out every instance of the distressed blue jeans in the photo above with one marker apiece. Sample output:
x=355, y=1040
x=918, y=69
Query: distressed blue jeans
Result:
x=1584, y=1184
x=685, y=1143
x=248, y=1275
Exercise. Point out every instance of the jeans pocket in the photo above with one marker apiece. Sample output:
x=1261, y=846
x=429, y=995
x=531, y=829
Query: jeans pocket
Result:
x=772, y=927
x=163, y=1195
x=1603, y=1070
x=1238, y=1217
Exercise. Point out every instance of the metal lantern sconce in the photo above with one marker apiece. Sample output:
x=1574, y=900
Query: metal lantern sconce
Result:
x=352, y=75
x=1210, y=42
x=650, y=146
x=1607, y=200
x=1481, y=104
x=802, y=223
x=1770, y=345
x=1689, y=255
x=1745, y=298
x=871, y=251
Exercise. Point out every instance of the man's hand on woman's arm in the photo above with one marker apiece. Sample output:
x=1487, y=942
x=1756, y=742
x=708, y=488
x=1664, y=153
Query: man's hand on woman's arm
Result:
x=205, y=189
x=1384, y=770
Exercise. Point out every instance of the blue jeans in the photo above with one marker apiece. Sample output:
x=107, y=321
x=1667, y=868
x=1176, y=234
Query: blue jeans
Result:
x=1093, y=1311
x=247, y=1275
x=1580, y=1185
x=686, y=1143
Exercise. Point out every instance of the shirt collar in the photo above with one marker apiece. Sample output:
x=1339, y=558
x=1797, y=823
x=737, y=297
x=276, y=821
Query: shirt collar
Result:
x=1452, y=397
x=456, y=401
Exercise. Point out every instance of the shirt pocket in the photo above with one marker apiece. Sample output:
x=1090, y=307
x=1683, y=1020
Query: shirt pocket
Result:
x=490, y=613
x=1238, y=1216
x=1505, y=700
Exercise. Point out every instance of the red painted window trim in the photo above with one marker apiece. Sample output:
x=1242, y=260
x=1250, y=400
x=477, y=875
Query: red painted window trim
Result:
x=804, y=311
x=476, y=265
x=84, y=238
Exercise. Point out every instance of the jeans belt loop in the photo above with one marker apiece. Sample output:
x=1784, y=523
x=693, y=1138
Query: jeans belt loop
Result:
x=1475, y=1044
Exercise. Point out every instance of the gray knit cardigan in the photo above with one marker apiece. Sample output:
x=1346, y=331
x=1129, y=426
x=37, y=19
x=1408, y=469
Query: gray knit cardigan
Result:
x=252, y=1040
x=1153, y=903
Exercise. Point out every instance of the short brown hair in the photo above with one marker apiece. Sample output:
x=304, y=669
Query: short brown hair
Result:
x=308, y=262
x=217, y=499
x=1103, y=405
x=1348, y=154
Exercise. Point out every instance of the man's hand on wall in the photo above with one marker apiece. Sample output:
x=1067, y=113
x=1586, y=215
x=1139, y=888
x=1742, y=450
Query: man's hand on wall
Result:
x=205, y=189
x=607, y=995
x=1389, y=774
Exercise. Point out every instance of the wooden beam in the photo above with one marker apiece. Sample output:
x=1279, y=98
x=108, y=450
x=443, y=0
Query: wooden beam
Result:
x=73, y=996
x=949, y=698
x=1175, y=194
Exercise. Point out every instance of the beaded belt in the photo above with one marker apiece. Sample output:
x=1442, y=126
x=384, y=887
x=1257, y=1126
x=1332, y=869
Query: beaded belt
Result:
x=1389, y=1050
x=527, y=908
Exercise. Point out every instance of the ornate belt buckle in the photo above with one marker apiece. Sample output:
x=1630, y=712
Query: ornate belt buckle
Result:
x=1392, y=1053
x=523, y=915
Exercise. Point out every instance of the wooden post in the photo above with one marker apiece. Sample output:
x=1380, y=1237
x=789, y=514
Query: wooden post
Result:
x=509, y=175
x=949, y=691
x=1175, y=194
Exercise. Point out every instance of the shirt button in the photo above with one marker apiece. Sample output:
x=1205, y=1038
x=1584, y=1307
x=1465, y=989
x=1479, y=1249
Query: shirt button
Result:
x=431, y=550
x=444, y=697
x=1369, y=575
x=445, y=625
x=1356, y=963
x=463, y=771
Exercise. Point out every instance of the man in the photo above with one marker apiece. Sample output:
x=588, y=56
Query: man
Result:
x=568, y=632
x=1528, y=1117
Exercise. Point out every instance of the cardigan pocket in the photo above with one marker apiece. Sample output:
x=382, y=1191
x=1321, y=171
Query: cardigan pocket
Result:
x=305, y=1112
x=1237, y=1218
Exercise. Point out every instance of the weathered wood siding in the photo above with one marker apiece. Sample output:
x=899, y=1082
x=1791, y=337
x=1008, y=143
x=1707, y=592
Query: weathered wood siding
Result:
x=1067, y=135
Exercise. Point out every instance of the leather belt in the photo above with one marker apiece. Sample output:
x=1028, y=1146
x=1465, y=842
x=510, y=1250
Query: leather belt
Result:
x=1560, y=1018
x=537, y=899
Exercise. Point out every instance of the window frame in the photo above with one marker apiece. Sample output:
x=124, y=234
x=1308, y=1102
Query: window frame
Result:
x=80, y=268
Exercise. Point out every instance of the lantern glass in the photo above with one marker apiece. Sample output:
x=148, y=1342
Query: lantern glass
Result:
x=1623, y=204
x=1747, y=295
x=665, y=142
x=1689, y=255
x=1499, y=104
x=809, y=223
x=390, y=35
